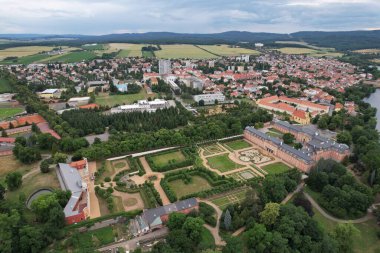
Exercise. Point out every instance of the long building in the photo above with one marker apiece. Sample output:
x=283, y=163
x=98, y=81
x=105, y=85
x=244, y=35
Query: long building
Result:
x=210, y=98
x=314, y=148
x=144, y=106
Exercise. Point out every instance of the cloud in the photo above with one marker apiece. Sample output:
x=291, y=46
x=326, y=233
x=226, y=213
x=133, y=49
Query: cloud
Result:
x=196, y=16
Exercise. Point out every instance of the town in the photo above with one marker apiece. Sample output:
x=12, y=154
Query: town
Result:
x=256, y=151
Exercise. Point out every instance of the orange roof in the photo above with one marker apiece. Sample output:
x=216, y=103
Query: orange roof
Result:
x=35, y=118
x=78, y=164
x=7, y=139
x=300, y=114
x=89, y=106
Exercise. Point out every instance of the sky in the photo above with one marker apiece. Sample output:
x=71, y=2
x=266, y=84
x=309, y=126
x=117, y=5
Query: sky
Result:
x=186, y=16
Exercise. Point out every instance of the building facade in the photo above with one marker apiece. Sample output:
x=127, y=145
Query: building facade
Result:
x=164, y=67
x=210, y=98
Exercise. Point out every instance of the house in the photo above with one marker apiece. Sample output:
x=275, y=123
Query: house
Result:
x=77, y=208
x=78, y=101
x=155, y=218
x=50, y=94
x=301, y=117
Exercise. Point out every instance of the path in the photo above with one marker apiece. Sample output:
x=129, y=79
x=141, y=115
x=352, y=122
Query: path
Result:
x=94, y=202
x=332, y=218
x=239, y=231
x=215, y=230
x=132, y=244
x=290, y=195
x=36, y=168
x=157, y=185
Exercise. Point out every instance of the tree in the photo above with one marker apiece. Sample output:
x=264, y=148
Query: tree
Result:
x=201, y=102
x=288, y=138
x=31, y=239
x=193, y=228
x=303, y=202
x=258, y=239
x=42, y=206
x=269, y=215
x=344, y=137
x=13, y=180
x=8, y=224
x=233, y=245
x=343, y=234
x=45, y=166
x=2, y=192
x=59, y=157
x=176, y=220
x=227, y=220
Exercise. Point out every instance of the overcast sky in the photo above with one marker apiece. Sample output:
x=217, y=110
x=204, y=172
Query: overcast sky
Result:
x=185, y=16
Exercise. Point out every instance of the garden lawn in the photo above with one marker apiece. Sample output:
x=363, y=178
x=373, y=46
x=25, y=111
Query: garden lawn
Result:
x=222, y=163
x=207, y=240
x=197, y=184
x=183, y=51
x=11, y=164
x=163, y=159
x=111, y=100
x=237, y=144
x=276, y=168
x=98, y=237
x=229, y=198
x=9, y=112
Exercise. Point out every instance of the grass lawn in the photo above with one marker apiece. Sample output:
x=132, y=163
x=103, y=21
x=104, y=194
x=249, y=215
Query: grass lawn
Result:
x=8, y=112
x=98, y=237
x=237, y=144
x=4, y=86
x=112, y=100
x=276, y=168
x=207, y=241
x=182, y=51
x=227, y=50
x=197, y=184
x=365, y=241
x=222, y=163
x=10, y=164
x=147, y=54
x=212, y=149
x=33, y=183
x=163, y=159
x=119, y=165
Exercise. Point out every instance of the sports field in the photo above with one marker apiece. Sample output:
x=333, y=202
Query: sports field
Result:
x=182, y=51
x=197, y=184
x=237, y=144
x=222, y=163
x=127, y=49
x=23, y=51
x=227, y=50
x=229, y=198
x=112, y=100
x=8, y=112
x=276, y=168
x=164, y=159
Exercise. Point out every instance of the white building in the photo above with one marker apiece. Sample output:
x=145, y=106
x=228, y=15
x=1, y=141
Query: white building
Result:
x=164, y=67
x=142, y=106
x=210, y=98
x=78, y=101
x=259, y=45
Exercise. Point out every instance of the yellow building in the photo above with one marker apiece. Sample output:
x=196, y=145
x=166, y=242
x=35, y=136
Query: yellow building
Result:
x=50, y=94
x=301, y=117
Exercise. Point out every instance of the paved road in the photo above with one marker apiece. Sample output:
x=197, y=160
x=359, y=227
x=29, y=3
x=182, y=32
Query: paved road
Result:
x=132, y=244
x=215, y=230
x=332, y=218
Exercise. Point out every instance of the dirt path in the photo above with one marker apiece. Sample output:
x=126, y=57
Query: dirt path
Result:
x=290, y=195
x=36, y=168
x=149, y=173
x=94, y=202
x=239, y=231
x=215, y=230
x=332, y=218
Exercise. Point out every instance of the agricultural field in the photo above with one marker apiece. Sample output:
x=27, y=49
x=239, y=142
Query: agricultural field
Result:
x=93, y=47
x=197, y=184
x=227, y=50
x=4, y=86
x=309, y=51
x=162, y=160
x=73, y=57
x=368, y=51
x=229, y=198
x=127, y=50
x=182, y=51
x=111, y=100
x=222, y=163
x=9, y=112
x=276, y=168
x=23, y=51
x=148, y=54
x=237, y=144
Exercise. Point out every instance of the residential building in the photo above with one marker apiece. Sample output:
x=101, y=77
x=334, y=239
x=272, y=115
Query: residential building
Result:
x=50, y=94
x=210, y=98
x=144, y=105
x=164, y=67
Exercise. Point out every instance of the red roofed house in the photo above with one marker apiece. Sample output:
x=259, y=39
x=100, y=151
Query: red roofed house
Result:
x=301, y=117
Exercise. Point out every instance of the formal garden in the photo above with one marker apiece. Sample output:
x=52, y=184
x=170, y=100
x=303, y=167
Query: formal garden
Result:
x=244, y=175
x=237, y=144
x=229, y=198
x=276, y=168
x=222, y=163
x=254, y=156
x=212, y=149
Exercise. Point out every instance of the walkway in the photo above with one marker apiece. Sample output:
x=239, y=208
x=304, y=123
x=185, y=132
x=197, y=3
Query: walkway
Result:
x=215, y=230
x=94, y=202
x=36, y=168
x=290, y=195
x=332, y=218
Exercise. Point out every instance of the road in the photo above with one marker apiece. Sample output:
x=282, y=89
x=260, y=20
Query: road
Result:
x=215, y=230
x=132, y=244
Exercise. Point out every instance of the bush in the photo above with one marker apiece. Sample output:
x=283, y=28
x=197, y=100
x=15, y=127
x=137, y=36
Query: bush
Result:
x=107, y=179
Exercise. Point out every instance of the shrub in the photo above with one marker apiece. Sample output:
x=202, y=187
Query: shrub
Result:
x=107, y=179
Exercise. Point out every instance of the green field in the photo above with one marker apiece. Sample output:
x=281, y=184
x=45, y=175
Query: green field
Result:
x=97, y=237
x=163, y=159
x=74, y=57
x=27, y=59
x=227, y=50
x=309, y=51
x=276, y=168
x=222, y=163
x=197, y=184
x=8, y=112
x=229, y=198
x=148, y=54
x=237, y=144
x=182, y=51
x=111, y=100
x=93, y=47
x=127, y=49
x=4, y=86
